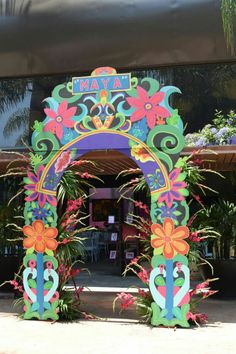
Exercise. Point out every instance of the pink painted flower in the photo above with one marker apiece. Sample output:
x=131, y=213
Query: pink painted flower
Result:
x=177, y=189
x=31, y=187
x=59, y=119
x=148, y=107
x=63, y=161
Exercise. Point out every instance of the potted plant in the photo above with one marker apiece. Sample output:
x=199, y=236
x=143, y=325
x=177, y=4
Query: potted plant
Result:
x=222, y=131
x=221, y=251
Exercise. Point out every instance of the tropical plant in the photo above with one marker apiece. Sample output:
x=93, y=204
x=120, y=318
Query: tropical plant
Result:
x=72, y=194
x=17, y=121
x=221, y=132
x=222, y=217
x=228, y=14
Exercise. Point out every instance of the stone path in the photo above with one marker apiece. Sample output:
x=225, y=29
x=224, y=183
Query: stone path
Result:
x=118, y=336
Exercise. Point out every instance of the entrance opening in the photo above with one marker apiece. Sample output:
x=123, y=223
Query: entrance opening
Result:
x=112, y=239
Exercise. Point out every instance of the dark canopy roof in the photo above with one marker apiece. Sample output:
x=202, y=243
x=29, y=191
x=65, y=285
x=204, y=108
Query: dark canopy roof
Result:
x=59, y=36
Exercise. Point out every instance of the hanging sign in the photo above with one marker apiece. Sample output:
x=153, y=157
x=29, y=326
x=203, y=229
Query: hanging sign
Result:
x=93, y=84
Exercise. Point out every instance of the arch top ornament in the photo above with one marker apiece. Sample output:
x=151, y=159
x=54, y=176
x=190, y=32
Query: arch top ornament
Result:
x=114, y=111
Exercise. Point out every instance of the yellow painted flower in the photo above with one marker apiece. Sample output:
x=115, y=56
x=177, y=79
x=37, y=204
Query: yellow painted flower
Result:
x=140, y=153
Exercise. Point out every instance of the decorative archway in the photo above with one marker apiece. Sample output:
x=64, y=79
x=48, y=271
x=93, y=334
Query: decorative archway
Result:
x=109, y=111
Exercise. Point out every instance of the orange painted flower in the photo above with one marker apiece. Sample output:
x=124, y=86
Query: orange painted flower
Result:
x=39, y=237
x=168, y=240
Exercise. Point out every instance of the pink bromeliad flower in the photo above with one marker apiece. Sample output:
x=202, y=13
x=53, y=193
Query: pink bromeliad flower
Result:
x=59, y=119
x=31, y=187
x=148, y=107
x=177, y=189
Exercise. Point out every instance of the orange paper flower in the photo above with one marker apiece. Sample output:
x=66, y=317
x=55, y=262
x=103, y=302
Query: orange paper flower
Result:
x=39, y=237
x=168, y=240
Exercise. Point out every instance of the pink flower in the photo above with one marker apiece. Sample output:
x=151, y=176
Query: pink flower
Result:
x=63, y=161
x=134, y=261
x=148, y=107
x=59, y=119
x=126, y=300
x=198, y=199
x=74, y=272
x=141, y=206
x=197, y=317
x=144, y=275
x=85, y=175
x=74, y=205
x=194, y=237
x=79, y=290
x=14, y=283
x=142, y=292
x=32, y=189
x=177, y=189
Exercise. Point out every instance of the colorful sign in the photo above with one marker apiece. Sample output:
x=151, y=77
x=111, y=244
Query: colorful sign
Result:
x=93, y=84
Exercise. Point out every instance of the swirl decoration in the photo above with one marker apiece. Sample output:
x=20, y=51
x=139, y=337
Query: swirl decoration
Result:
x=45, y=144
x=138, y=112
x=171, y=143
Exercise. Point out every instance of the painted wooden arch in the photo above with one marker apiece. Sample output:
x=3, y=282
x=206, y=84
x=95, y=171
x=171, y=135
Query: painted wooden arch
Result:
x=109, y=111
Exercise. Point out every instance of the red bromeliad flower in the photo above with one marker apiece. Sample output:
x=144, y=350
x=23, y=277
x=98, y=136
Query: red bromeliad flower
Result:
x=142, y=293
x=59, y=119
x=193, y=237
x=141, y=205
x=74, y=205
x=144, y=275
x=197, y=317
x=126, y=300
x=148, y=107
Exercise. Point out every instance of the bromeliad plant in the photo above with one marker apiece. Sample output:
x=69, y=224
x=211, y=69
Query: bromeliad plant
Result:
x=65, y=239
x=192, y=170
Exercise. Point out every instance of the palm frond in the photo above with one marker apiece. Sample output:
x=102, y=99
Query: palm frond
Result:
x=228, y=14
x=17, y=121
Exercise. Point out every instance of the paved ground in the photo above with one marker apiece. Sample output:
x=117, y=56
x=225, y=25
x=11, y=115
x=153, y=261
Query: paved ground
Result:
x=118, y=336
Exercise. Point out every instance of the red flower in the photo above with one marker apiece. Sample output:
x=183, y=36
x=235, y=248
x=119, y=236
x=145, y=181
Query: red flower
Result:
x=126, y=300
x=59, y=119
x=142, y=292
x=74, y=272
x=85, y=175
x=148, y=107
x=194, y=237
x=197, y=317
x=144, y=275
x=79, y=290
x=134, y=261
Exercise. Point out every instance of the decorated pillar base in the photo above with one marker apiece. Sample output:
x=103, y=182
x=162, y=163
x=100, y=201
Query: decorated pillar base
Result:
x=40, y=278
